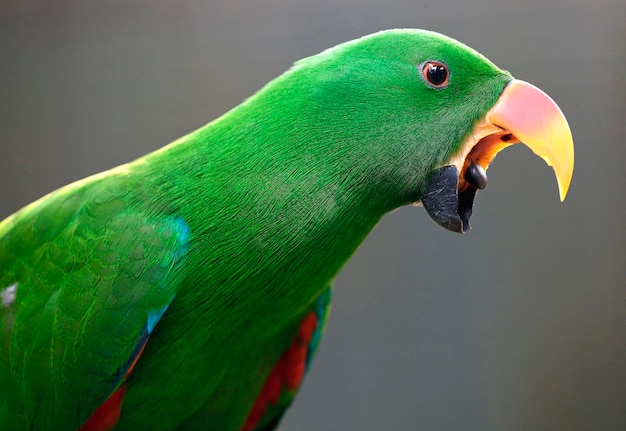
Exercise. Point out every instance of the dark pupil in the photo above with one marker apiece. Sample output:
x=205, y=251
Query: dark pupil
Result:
x=437, y=74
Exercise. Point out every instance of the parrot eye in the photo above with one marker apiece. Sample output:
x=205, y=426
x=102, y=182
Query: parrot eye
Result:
x=435, y=74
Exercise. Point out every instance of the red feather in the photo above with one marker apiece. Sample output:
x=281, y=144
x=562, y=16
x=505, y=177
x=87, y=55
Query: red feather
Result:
x=106, y=416
x=287, y=374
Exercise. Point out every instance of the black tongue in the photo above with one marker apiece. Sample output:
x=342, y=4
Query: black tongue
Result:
x=443, y=202
x=476, y=175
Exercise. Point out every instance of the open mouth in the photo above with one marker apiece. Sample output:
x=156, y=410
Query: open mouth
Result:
x=522, y=114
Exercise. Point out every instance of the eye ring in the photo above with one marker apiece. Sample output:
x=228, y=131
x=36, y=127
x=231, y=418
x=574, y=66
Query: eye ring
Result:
x=435, y=73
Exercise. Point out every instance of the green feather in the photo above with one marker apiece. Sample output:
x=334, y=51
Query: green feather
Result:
x=274, y=196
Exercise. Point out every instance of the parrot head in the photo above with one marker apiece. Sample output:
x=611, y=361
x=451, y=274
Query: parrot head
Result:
x=424, y=115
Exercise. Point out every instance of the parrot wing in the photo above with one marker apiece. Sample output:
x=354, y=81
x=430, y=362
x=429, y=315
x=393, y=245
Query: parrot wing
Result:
x=83, y=281
x=284, y=380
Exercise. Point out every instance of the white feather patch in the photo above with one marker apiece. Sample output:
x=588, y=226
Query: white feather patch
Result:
x=7, y=295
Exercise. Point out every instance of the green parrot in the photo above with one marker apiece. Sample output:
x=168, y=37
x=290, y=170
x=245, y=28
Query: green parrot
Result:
x=188, y=289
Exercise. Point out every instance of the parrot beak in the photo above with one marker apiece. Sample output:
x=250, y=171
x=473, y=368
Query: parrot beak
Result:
x=522, y=114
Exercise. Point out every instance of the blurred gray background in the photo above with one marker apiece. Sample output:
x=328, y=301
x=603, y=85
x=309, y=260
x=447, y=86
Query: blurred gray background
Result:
x=518, y=325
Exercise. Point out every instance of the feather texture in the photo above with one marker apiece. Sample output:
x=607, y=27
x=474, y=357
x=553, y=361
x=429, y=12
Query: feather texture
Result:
x=180, y=285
